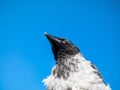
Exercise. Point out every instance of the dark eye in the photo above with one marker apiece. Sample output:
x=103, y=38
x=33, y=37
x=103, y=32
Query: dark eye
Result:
x=63, y=39
x=67, y=42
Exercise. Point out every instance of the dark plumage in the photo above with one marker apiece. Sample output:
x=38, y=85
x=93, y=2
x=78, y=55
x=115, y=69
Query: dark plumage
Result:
x=72, y=71
x=61, y=47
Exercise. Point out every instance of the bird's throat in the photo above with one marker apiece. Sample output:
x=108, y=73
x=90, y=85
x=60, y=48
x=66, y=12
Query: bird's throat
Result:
x=65, y=67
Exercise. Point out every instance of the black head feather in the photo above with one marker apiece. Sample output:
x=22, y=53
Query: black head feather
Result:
x=61, y=47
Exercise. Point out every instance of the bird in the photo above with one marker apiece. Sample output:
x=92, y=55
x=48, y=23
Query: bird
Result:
x=72, y=71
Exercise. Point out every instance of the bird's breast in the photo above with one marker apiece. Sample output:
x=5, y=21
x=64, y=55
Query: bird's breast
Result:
x=65, y=67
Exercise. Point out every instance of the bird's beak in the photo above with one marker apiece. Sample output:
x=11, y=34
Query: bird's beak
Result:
x=52, y=39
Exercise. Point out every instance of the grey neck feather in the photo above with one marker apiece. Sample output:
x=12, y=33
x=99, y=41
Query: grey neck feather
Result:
x=65, y=67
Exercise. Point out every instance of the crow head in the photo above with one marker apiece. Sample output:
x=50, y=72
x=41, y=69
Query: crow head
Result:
x=61, y=47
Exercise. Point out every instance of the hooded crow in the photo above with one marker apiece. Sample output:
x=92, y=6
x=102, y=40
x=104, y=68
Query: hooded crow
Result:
x=72, y=71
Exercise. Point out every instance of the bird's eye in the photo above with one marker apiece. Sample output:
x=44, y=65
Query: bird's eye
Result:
x=66, y=40
x=62, y=39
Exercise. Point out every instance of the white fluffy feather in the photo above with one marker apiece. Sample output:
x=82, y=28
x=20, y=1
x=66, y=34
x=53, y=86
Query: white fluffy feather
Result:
x=85, y=79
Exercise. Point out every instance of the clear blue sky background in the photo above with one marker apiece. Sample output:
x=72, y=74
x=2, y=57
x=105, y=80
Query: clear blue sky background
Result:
x=25, y=53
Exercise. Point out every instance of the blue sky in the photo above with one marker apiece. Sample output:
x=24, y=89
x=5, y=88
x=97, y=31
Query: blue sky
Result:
x=25, y=53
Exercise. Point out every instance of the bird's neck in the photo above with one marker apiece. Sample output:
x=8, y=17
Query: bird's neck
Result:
x=67, y=65
x=67, y=59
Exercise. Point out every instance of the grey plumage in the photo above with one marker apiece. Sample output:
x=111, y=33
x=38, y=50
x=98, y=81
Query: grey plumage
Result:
x=72, y=71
